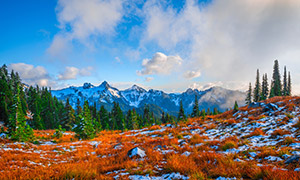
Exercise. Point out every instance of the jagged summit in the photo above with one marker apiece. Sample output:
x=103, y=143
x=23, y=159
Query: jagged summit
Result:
x=137, y=88
x=87, y=85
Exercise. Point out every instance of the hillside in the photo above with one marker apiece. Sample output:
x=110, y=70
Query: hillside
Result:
x=257, y=142
x=137, y=97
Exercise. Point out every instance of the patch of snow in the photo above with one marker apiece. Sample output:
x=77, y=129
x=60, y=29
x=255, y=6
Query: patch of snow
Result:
x=186, y=153
x=273, y=158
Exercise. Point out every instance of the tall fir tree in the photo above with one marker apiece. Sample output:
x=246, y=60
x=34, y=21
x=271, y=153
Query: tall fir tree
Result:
x=265, y=87
x=289, y=86
x=85, y=128
x=118, y=117
x=181, y=115
x=257, y=90
x=249, y=95
x=196, y=111
x=104, y=118
x=276, y=86
x=236, y=106
x=285, y=83
x=23, y=132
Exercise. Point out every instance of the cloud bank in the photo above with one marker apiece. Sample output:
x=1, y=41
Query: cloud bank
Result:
x=80, y=20
x=73, y=73
x=160, y=64
x=228, y=40
x=32, y=75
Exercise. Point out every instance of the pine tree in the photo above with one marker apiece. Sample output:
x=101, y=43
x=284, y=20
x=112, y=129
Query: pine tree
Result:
x=23, y=132
x=196, y=111
x=203, y=113
x=289, y=85
x=163, y=118
x=5, y=95
x=134, y=117
x=117, y=117
x=181, y=115
x=285, y=83
x=257, y=90
x=104, y=118
x=146, y=116
x=276, y=86
x=249, y=95
x=236, y=106
x=85, y=128
x=265, y=88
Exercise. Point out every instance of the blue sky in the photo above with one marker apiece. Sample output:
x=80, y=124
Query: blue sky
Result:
x=167, y=45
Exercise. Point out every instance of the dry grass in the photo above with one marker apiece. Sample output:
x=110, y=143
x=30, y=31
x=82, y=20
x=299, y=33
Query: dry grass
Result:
x=68, y=158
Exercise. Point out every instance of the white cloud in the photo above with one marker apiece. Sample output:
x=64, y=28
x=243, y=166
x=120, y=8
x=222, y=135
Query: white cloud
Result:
x=192, y=74
x=32, y=75
x=79, y=20
x=148, y=79
x=160, y=64
x=234, y=85
x=229, y=40
x=73, y=73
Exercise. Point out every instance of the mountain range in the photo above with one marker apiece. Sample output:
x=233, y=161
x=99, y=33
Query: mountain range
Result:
x=159, y=101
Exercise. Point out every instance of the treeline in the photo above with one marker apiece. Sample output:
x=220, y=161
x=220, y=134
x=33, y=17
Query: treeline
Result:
x=36, y=108
x=262, y=91
x=25, y=108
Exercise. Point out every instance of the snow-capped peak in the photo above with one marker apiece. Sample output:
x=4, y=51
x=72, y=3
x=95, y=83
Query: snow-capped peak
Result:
x=87, y=85
x=136, y=88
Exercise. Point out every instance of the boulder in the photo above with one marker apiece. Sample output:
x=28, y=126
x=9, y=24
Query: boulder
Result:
x=136, y=152
x=270, y=107
x=292, y=159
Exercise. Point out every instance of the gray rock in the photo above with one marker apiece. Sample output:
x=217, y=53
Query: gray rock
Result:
x=270, y=107
x=136, y=152
x=256, y=105
x=292, y=159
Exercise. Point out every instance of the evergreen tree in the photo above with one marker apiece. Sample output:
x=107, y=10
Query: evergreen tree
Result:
x=196, y=111
x=236, y=106
x=5, y=95
x=146, y=116
x=285, y=83
x=208, y=112
x=249, y=95
x=68, y=120
x=163, y=118
x=265, y=88
x=117, y=117
x=289, y=85
x=276, y=86
x=23, y=132
x=216, y=111
x=104, y=118
x=181, y=115
x=85, y=128
x=203, y=113
x=257, y=90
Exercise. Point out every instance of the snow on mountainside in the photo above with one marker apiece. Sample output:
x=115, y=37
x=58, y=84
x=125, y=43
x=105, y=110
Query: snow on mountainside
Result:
x=137, y=97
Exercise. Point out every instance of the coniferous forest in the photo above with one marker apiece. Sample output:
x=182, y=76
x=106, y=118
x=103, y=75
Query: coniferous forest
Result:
x=24, y=108
x=262, y=91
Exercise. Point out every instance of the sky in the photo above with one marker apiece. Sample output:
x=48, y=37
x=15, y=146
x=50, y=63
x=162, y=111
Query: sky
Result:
x=169, y=45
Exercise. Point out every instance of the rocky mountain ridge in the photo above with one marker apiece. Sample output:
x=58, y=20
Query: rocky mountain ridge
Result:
x=137, y=97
